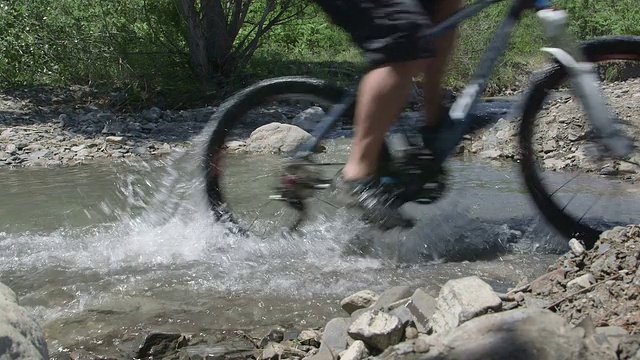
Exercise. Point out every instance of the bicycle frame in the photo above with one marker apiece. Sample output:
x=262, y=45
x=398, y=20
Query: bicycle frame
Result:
x=564, y=50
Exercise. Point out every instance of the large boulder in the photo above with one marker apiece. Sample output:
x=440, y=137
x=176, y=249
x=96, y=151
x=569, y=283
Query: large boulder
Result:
x=461, y=300
x=20, y=336
x=276, y=138
x=517, y=334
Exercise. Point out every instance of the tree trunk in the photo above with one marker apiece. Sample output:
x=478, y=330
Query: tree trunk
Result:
x=195, y=38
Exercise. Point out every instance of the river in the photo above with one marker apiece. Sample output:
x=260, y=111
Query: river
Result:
x=101, y=253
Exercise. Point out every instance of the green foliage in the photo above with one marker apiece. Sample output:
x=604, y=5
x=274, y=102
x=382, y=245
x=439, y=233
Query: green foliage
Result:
x=139, y=46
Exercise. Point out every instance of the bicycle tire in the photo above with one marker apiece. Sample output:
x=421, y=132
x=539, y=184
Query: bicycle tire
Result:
x=596, y=50
x=231, y=112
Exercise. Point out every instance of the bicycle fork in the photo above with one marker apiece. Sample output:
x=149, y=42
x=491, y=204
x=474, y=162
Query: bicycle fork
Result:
x=584, y=81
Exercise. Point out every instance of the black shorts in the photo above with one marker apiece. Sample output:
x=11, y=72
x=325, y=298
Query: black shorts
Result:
x=387, y=30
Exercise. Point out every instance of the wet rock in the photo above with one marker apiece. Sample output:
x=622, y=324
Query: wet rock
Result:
x=309, y=337
x=161, y=344
x=377, y=329
x=20, y=336
x=309, y=119
x=334, y=339
x=225, y=350
x=275, y=335
x=360, y=300
x=276, y=138
x=422, y=306
x=461, y=300
x=272, y=351
x=404, y=315
x=356, y=351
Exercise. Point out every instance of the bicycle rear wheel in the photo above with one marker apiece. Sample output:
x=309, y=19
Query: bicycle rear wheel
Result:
x=577, y=187
x=242, y=170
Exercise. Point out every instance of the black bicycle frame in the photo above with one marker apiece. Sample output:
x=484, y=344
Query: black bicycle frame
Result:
x=472, y=92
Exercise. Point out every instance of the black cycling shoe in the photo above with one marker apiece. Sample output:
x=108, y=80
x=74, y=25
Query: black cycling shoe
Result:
x=379, y=200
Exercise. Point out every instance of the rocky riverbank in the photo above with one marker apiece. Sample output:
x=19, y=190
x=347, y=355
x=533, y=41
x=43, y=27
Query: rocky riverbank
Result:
x=562, y=138
x=67, y=127
x=585, y=307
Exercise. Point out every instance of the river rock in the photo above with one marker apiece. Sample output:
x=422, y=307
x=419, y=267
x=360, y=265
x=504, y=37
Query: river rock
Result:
x=582, y=281
x=276, y=138
x=461, y=300
x=160, y=344
x=356, y=351
x=377, y=329
x=309, y=337
x=392, y=295
x=334, y=339
x=576, y=247
x=517, y=334
x=361, y=299
x=422, y=306
x=309, y=119
x=20, y=336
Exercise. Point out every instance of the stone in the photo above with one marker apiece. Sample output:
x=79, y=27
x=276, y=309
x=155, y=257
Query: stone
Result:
x=140, y=150
x=422, y=306
x=404, y=314
x=235, y=145
x=576, y=247
x=377, y=329
x=20, y=336
x=334, y=339
x=361, y=299
x=356, y=351
x=544, y=284
x=309, y=337
x=411, y=332
x=582, y=281
x=41, y=154
x=77, y=148
x=626, y=167
x=114, y=139
x=276, y=138
x=309, y=119
x=275, y=335
x=491, y=154
x=160, y=344
x=272, y=351
x=422, y=344
x=524, y=334
x=391, y=296
x=11, y=149
x=549, y=146
x=83, y=153
x=461, y=300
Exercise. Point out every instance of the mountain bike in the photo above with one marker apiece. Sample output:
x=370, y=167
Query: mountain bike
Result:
x=580, y=66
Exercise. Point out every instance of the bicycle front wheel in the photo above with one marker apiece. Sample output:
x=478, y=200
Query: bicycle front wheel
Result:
x=577, y=187
x=253, y=135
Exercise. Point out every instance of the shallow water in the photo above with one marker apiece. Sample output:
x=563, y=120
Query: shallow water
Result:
x=99, y=253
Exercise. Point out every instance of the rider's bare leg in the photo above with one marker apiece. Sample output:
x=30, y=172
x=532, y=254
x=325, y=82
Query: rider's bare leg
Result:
x=382, y=94
x=436, y=67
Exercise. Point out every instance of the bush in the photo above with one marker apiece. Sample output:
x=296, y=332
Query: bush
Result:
x=139, y=46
